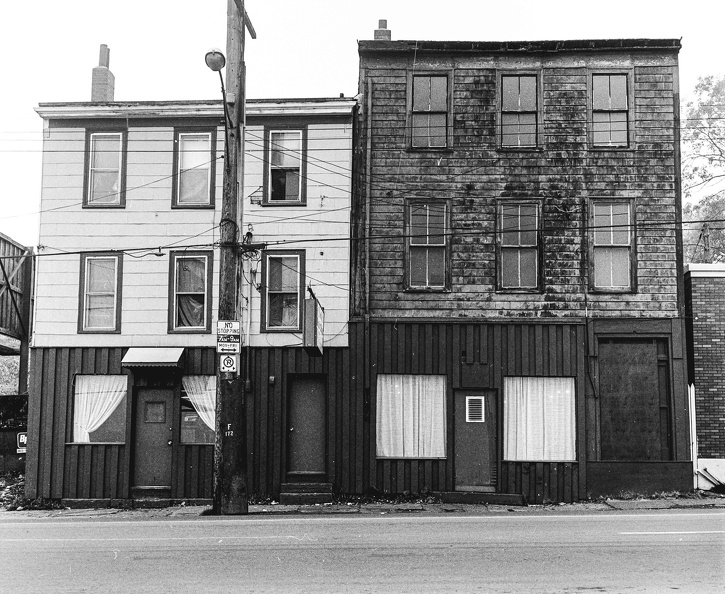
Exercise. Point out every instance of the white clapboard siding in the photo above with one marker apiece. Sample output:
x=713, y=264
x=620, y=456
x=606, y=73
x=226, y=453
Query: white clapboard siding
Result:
x=325, y=219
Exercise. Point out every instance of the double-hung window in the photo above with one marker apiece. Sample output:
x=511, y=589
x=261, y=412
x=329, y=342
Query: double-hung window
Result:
x=539, y=419
x=610, y=110
x=430, y=111
x=427, y=243
x=105, y=180
x=285, y=152
x=198, y=408
x=411, y=416
x=519, y=106
x=194, y=168
x=518, y=245
x=100, y=293
x=283, y=274
x=611, y=239
x=190, y=292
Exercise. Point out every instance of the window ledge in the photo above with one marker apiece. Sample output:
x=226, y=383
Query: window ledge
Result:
x=283, y=203
x=102, y=206
x=432, y=149
x=427, y=290
x=517, y=149
x=94, y=443
x=192, y=206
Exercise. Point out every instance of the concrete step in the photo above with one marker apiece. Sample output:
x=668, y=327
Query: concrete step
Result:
x=481, y=497
x=306, y=487
x=304, y=498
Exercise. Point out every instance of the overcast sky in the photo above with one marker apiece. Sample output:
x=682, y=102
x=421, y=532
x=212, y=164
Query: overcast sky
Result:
x=304, y=48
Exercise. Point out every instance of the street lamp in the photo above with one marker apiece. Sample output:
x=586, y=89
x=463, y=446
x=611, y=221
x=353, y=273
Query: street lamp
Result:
x=215, y=60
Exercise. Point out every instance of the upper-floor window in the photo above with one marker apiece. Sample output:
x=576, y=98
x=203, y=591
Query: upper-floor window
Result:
x=610, y=105
x=519, y=113
x=285, y=156
x=105, y=179
x=190, y=292
x=100, y=293
x=518, y=245
x=427, y=244
x=194, y=168
x=612, y=245
x=430, y=111
x=283, y=282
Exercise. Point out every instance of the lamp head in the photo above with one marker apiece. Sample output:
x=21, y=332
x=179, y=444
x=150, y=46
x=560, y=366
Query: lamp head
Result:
x=215, y=59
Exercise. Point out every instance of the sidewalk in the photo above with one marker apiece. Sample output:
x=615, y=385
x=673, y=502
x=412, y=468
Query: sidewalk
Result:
x=380, y=509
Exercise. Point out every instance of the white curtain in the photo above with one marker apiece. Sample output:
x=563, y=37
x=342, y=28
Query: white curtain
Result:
x=539, y=421
x=201, y=390
x=96, y=397
x=411, y=416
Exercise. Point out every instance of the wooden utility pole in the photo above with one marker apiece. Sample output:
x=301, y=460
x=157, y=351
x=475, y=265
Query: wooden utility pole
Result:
x=230, y=456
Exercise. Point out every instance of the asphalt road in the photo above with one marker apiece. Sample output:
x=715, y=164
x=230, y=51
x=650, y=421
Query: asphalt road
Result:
x=605, y=552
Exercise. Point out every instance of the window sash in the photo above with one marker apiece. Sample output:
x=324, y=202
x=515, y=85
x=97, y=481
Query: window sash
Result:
x=105, y=167
x=99, y=404
x=519, y=246
x=519, y=110
x=190, y=302
x=539, y=419
x=610, y=110
x=283, y=297
x=411, y=416
x=429, y=112
x=100, y=303
x=612, y=245
x=285, y=165
x=194, y=168
x=427, y=244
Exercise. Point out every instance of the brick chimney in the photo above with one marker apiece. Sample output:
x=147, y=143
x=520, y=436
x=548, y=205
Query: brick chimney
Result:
x=103, y=79
x=382, y=33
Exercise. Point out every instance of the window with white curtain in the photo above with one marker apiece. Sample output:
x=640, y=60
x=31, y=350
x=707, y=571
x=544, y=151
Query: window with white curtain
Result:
x=411, y=416
x=99, y=408
x=539, y=421
x=198, y=408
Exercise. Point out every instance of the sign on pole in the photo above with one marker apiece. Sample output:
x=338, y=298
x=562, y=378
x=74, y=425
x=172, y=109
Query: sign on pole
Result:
x=229, y=336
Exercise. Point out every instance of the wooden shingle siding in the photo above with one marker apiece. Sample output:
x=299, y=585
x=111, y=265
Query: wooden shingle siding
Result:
x=563, y=173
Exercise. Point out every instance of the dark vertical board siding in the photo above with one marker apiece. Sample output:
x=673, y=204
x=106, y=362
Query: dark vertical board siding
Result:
x=32, y=458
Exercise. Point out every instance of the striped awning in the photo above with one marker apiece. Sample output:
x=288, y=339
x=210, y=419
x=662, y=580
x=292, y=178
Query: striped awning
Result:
x=152, y=357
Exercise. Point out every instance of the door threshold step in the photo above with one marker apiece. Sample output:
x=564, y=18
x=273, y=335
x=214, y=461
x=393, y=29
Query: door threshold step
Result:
x=300, y=487
x=481, y=497
x=304, y=498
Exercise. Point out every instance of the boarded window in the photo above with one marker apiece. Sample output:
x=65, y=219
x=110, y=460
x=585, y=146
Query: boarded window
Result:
x=518, y=246
x=411, y=416
x=105, y=168
x=612, y=245
x=518, y=110
x=194, y=169
x=430, y=111
x=427, y=244
x=539, y=419
x=634, y=400
x=610, y=110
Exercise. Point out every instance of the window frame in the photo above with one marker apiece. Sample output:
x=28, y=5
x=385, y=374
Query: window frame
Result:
x=183, y=396
x=507, y=456
x=629, y=81
x=500, y=204
x=124, y=407
x=174, y=257
x=409, y=205
x=83, y=294
x=264, y=311
x=591, y=238
x=176, y=186
x=448, y=75
x=538, y=112
x=267, y=178
x=88, y=170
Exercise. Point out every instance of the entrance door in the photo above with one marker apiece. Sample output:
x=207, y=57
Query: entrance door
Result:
x=152, y=445
x=475, y=441
x=307, y=431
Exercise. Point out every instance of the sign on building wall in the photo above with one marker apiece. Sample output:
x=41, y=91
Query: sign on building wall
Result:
x=314, y=327
x=22, y=442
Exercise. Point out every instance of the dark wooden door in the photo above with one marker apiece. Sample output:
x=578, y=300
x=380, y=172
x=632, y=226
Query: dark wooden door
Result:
x=152, y=443
x=307, y=431
x=475, y=441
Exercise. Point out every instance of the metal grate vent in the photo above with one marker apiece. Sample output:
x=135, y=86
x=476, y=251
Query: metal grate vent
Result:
x=474, y=409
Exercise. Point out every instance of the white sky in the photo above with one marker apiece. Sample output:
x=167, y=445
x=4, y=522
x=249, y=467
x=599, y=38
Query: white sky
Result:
x=304, y=48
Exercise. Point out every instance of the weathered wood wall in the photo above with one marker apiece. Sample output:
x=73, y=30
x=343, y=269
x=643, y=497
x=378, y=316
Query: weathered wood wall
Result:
x=562, y=173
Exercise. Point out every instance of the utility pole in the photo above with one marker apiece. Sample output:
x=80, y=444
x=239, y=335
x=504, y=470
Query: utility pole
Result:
x=230, y=455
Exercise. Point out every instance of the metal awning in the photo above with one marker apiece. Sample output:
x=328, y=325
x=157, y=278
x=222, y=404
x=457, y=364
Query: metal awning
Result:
x=152, y=357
